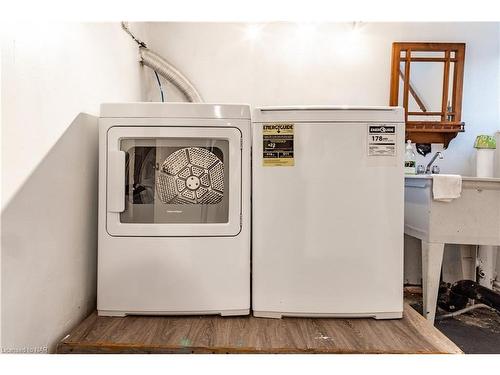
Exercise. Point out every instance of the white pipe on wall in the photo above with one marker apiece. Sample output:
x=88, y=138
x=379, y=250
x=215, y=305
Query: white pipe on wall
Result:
x=486, y=255
x=165, y=69
x=170, y=73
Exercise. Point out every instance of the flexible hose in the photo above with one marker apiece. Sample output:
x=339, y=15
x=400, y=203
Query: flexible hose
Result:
x=170, y=73
x=462, y=311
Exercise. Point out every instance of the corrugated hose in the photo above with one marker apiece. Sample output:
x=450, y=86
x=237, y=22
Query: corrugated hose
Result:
x=160, y=65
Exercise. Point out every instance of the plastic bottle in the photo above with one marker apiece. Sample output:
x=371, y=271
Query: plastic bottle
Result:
x=410, y=159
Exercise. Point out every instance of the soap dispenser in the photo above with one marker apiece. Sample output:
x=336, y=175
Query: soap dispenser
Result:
x=410, y=159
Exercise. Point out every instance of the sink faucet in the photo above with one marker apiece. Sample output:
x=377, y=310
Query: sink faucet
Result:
x=436, y=155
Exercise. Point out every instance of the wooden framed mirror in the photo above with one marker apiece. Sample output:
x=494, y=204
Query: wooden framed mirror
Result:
x=427, y=80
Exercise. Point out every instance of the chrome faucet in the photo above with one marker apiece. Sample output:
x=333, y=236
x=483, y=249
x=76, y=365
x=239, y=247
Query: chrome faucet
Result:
x=436, y=155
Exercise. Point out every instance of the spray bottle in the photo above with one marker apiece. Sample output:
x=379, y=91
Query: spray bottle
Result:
x=410, y=160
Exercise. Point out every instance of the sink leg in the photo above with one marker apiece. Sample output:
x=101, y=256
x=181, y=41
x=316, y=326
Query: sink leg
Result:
x=432, y=259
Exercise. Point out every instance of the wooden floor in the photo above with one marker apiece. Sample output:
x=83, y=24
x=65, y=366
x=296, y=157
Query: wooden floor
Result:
x=214, y=334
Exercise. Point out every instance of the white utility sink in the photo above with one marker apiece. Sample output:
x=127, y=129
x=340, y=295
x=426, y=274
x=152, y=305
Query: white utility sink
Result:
x=472, y=219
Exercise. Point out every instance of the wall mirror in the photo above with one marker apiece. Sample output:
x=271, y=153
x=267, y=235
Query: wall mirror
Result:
x=427, y=80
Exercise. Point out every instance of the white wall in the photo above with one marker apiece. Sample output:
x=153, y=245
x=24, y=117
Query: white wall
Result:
x=51, y=73
x=288, y=64
x=330, y=64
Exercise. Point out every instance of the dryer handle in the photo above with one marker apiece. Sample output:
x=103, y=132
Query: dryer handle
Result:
x=116, y=181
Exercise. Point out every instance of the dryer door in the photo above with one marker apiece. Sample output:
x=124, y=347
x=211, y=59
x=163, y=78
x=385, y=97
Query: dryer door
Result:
x=173, y=181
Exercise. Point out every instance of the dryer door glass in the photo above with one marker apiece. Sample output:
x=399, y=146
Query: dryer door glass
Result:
x=176, y=180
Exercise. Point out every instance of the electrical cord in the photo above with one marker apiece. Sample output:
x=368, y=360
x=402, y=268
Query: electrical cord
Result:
x=142, y=44
x=159, y=85
x=126, y=29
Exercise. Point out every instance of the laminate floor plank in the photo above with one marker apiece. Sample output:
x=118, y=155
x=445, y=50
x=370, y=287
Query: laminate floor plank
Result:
x=215, y=334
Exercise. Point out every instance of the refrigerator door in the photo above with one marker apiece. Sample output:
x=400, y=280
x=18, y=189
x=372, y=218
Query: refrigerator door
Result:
x=328, y=226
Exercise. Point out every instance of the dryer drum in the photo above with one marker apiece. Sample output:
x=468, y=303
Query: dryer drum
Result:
x=191, y=175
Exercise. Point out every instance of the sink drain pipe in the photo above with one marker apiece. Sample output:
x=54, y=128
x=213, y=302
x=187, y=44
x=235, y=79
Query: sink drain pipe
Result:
x=161, y=66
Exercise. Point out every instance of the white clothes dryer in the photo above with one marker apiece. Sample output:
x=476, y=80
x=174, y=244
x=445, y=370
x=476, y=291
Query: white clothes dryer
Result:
x=174, y=209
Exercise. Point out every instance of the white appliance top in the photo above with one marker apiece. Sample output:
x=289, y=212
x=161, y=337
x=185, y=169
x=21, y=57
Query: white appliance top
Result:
x=175, y=110
x=325, y=113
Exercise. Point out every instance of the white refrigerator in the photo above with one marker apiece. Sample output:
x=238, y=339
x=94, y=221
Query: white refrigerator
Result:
x=327, y=211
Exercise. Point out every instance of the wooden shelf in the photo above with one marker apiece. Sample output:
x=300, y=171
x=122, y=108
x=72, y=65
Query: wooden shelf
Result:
x=451, y=57
x=433, y=132
x=435, y=126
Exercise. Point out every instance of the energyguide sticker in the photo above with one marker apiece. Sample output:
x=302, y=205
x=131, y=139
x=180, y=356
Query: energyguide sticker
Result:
x=381, y=140
x=277, y=150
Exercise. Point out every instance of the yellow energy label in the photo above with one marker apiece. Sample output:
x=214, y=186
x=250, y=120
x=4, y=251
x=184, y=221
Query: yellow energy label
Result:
x=277, y=150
